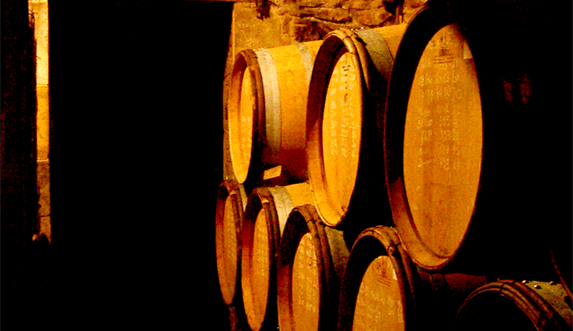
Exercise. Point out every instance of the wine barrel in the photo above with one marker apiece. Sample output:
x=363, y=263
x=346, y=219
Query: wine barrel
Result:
x=266, y=214
x=383, y=290
x=514, y=305
x=456, y=146
x=231, y=202
x=311, y=264
x=346, y=99
x=266, y=111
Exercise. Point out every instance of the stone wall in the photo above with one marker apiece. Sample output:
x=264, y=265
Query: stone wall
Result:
x=282, y=22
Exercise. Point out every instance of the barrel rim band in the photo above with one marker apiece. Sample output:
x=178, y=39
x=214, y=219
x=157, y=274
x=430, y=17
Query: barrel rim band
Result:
x=426, y=23
x=524, y=297
x=302, y=220
x=378, y=51
x=553, y=294
x=565, y=281
x=245, y=63
x=227, y=191
x=282, y=203
x=307, y=59
x=253, y=208
x=272, y=114
x=336, y=44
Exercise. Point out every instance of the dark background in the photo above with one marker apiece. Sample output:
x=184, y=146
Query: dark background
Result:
x=137, y=144
x=136, y=102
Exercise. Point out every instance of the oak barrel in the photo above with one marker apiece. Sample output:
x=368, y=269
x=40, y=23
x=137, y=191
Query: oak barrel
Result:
x=515, y=305
x=231, y=202
x=346, y=99
x=266, y=214
x=311, y=264
x=383, y=290
x=457, y=145
x=266, y=111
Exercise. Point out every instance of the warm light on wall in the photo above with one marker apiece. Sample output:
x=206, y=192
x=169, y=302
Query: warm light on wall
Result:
x=38, y=10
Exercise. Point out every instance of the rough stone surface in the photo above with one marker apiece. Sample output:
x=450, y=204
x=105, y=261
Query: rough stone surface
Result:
x=339, y=15
x=288, y=21
x=373, y=18
x=249, y=31
x=410, y=8
x=291, y=21
x=307, y=29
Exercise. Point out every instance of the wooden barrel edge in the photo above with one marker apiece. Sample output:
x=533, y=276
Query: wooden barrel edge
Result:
x=259, y=197
x=230, y=189
x=245, y=61
x=531, y=302
x=332, y=254
x=424, y=25
x=375, y=67
x=295, y=229
x=371, y=243
x=325, y=60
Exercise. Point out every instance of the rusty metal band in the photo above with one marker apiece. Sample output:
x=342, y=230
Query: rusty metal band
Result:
x=553, y=293
x=272, y=104
x=306, y=59
x=534, y=299
x=378, y=51
x=283, y=205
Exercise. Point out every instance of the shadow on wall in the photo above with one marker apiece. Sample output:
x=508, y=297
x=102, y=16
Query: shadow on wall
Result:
x=136, y=99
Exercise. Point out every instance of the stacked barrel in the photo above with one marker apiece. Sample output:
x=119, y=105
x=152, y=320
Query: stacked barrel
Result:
x=367, y=184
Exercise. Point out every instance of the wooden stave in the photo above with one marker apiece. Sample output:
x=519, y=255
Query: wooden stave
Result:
x=236, y=192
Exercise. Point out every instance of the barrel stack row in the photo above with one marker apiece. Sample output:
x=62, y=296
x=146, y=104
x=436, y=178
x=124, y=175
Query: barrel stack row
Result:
x=370, y=184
